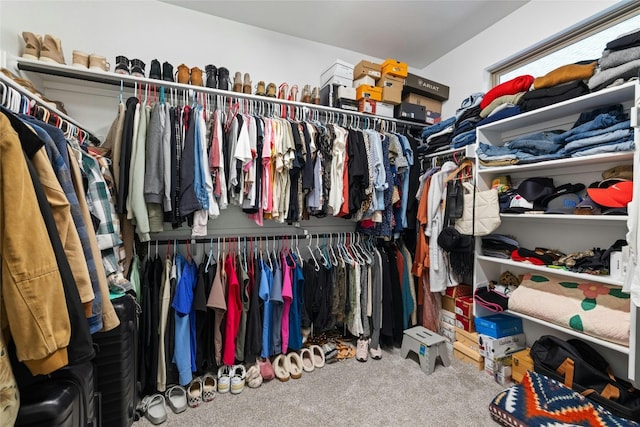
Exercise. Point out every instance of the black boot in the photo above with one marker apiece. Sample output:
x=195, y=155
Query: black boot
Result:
x=167, y=72
x=223, y=79
x=154, y=70
x=212, y=76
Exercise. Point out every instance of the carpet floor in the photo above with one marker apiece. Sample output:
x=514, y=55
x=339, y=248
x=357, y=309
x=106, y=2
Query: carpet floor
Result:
x=391, y=391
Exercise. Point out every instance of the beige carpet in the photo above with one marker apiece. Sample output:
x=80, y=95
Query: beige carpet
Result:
x=387, y=392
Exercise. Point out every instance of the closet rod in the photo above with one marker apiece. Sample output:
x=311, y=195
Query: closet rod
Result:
x=255, y=238
x=131, y=81
x=52, y=110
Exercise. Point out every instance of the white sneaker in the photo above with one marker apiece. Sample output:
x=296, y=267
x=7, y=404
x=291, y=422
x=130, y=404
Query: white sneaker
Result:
x=224, y=379
x=376, y=353
x=362, y=350
x=238, y=375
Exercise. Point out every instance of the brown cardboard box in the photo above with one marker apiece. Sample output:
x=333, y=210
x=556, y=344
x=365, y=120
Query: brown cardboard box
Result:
x=464, y=306
x=392, y=95
x=429, y=103
x=369, y=92
x=387, y=80
x=367, y=68
x=470, y=339
x=448, y=303
x=521, y=363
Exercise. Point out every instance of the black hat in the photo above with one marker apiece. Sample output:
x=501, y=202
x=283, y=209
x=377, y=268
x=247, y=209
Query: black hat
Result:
x=535, y=189
x=451, y=240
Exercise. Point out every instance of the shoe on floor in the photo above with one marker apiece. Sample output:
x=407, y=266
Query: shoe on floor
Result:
x=281, y=367
x=376, y=353
x=31, y=45
x=266, y=369
x=307, y=360
x=209, y=386
x=254, y=378
x=295, y=365
x=238, y=375
x=224, y=379
x=153, y=408
x=318, y=356
x=176, y=398
x=362, y=350
x=194, y=392
x=80, y=59
x=51, y=50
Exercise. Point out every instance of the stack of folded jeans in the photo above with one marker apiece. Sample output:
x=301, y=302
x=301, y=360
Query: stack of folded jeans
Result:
x=499, y=245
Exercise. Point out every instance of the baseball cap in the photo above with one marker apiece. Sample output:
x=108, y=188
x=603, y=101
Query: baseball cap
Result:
x=536, y=188
x=563, y=204
x=560, y=190
x=519, y=204
x=611, y=193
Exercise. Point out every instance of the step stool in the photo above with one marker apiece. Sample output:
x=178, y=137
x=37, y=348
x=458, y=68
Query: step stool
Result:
x=427, y=345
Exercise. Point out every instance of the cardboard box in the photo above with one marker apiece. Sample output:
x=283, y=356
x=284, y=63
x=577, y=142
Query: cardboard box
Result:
x=448, y=331
x=411, y=112
x=521, y=363
x=498, y=325
x=395, y=68
x=499, y=347
x=432, y=118
x=461, y=356
x=422, y=86
x=465, y=323
x=470, y=339
x=384, y=109
x=392, y=95
x=329, y=94
x=464, y=306
x=367, y=106
x=492, y=366
x=387, y=80
x=340, y=72
x=369, y=92
x=462, y=290
x=448, y=317
x=367, y=68
x=448, y=303
x=503, y=377
x=429, y=103
x=364, y=80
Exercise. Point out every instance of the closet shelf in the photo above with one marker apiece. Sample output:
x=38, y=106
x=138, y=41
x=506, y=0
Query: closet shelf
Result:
x=113, y=79
x=541, y=168
x=556, y=272
x=617, y=347
x=47, y=105
x=568, y=218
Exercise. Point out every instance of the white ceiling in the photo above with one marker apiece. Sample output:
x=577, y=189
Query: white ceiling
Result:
x=416, y=32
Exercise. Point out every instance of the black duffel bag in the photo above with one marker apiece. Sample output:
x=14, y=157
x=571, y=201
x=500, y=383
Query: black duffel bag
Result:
x=580, y=367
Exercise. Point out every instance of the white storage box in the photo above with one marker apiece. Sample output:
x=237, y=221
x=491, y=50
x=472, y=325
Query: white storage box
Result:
x=339, y=73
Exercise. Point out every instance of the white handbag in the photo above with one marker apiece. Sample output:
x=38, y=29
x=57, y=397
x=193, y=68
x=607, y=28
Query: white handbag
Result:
x=481, y=211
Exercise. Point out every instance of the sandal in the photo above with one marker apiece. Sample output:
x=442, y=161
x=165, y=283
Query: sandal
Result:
x=209, y=386
x=194, y=393
x=153, y=409
x=176, y=398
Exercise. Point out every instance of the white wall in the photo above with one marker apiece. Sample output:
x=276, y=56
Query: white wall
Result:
x=463, y=68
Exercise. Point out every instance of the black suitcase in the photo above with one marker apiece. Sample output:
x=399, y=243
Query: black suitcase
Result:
x=64, y=398
x=115, y=365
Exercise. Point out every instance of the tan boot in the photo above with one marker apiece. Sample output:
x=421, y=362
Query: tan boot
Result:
x=196, y=76
x=246, y=86
x=260, y=89
x=315, y=96
x=51, y=50
x=80, y=59
x=237, y=82
x=271, y=90
x=306, y=94
x=183, y=74
x=99, y=63
x=31, y=45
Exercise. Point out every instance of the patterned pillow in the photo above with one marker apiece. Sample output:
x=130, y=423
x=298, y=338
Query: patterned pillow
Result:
x=542, y=401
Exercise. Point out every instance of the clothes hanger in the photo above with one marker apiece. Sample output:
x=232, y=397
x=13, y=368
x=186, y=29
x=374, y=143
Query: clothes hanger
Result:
x=298, y=255
x=332, y=254
x=313, y=257
x=325, y=260
x=465, y=163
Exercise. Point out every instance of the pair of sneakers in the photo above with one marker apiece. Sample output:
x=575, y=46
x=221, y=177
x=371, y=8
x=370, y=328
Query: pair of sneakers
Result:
x=363, y=350
x=231, y=379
